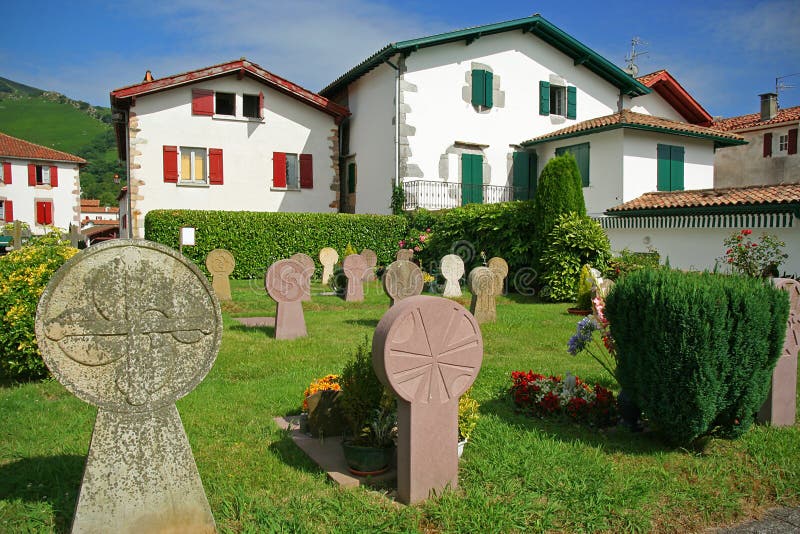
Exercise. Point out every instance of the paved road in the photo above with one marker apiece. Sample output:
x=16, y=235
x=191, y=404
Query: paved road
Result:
x=776, y=521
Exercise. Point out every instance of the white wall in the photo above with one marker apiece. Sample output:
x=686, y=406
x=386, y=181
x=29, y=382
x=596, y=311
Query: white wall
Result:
x=372, y=133
x=65, y=197
x=698, y=248
x=248, y=144
x=653, y=104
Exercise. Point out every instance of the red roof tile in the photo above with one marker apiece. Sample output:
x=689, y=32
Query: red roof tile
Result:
x=676, y=96
x=13, y=147
x=628, y=118
x=701, y=198
x=753, y=120
x=648, y=78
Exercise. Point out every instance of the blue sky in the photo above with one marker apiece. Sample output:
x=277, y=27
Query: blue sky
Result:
x=724, y=53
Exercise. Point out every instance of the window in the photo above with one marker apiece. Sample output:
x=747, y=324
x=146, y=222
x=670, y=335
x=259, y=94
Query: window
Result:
x=767, y=145
x=581, y=153
x=292, y=171
x=471, y=179
x=557, y=100
x=225, y=103
x=193, y=165
x=482, y=86
x=524, y=174
x=5, y=173
x=670, y=168
x=44, y=212
x=42, y=175
x=783, y=143
x=251, y=105
x=6, y=211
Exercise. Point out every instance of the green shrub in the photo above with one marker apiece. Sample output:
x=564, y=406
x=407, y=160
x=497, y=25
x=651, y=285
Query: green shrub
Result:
x=503, y=229
x=696, y=351
x=24, y=273
x=627, y=262
x=573, y=242
x=584, y=300
x=256, y=239
x=560, y=191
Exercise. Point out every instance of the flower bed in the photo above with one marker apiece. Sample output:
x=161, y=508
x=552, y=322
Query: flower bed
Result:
x=545, y=396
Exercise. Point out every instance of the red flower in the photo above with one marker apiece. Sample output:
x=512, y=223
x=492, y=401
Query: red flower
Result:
x=747, y=232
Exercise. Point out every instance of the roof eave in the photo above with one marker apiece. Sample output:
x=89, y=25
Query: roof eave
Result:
x=719, y=142
x=772, y=207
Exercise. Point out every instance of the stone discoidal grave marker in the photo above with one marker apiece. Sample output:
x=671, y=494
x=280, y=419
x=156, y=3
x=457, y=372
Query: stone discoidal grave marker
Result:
x=220, y=264
x=452, y=268
x=131, y=326
x=328, y=258
x=285, y=284
x=308, y=271
x=402, y=279
x=500, y=268
x=404, y=254
x=483, y=284
x=428, y=350
x=354, y=267
x=372, y=260
x=780, y=407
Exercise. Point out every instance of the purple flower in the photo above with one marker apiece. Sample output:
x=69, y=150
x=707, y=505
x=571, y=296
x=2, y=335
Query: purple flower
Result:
x=582, y=336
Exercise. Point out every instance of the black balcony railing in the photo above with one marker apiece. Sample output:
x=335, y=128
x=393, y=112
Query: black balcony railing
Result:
x=436, y=195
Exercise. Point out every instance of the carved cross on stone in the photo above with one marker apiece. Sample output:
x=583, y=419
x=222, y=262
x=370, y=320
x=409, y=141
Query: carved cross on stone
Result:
x=372, y=260
x=328, y=258
x=402, y=279
x=308, y=271
x=131, y=326
x=220, y=263
x=354, y=267
x=500, y=268
x=452, y=270
x=428, y=350
x=285, y=282
x=483, y=284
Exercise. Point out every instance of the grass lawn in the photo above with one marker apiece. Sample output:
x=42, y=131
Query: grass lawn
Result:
x=517, y=475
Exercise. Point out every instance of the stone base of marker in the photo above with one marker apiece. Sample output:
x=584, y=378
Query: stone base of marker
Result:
x=780, y=408
x=289, y=320
x=140, y=476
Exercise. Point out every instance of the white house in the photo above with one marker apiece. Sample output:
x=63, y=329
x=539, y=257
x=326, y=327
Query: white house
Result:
x=446, y=117
x=231, y=137
x=39, y=186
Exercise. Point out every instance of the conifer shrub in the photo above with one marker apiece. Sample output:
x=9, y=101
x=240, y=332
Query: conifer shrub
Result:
x=696, y=351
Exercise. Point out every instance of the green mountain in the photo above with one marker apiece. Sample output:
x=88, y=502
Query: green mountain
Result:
x=54, y=120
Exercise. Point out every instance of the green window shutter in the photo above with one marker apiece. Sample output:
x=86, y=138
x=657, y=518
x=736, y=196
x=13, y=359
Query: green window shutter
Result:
x=581, y=153
x=477, y=179
x=478, y=87
x=351, y=178
x=571, y=102
x=466, y=178
x=471, y=179
x=521, y=175
x=488, y=87
x=544, y=98
x=676, y=168
x=664, y=173
x=532, y=177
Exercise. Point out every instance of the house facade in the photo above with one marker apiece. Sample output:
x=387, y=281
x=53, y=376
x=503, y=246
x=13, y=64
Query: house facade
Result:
x=446, y=117
x=39, y=186
x=770, y=157
x=231, y=137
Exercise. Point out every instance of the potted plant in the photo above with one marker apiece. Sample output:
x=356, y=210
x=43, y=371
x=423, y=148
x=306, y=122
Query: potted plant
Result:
x=583, y=305
x=467, y=419
x=369, y=409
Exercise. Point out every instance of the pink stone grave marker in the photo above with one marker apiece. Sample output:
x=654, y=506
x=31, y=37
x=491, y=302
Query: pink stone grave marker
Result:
x=372, y=260
x=284, y=282
x=404, y=254
x=354, y=267
x=428, y=350
x=308, y=270
x=402, y=279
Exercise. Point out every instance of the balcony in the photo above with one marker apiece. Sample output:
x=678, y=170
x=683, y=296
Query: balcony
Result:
x=437, y=195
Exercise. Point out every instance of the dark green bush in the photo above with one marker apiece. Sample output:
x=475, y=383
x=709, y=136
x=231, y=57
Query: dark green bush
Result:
x=560, y=191
x=696, y=351
x=256, y=239
x=574, y=241
x=505, y=230
x=24, y=273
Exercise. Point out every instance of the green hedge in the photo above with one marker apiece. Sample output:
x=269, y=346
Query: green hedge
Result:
x=258, y=239
x=696, y=351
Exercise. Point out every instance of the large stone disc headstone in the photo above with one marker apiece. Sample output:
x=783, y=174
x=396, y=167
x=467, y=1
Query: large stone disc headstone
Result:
x=372, y=260
x=483, y=284
x=402, y=279
x=220, y=264
x=285, y=282
x=131, y=326
x=452, y=268
x=499, y=267
x=308, y=271
x=428, y=350
x=328, y=258
x=354, y=267
x=404, y=254
x=780, y=408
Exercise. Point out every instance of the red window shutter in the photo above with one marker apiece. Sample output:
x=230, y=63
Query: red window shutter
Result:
x=792, y=143
x=306, y=171
x=261, y=104
x=48, y=213
x=40, y=213
x=9, y=211
x=215, y=166
x=53, y=176
x=171, y=164
x=7, y=171
x=278, y=169
x=202, y=102
x=31, y=175
x=767, y=145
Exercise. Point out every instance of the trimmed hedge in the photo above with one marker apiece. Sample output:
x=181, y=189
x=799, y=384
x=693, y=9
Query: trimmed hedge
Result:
x=696, y=351
x=258, y=239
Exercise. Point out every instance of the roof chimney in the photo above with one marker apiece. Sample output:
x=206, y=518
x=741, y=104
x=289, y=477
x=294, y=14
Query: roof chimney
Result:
x=148, y=76
x=769, y=106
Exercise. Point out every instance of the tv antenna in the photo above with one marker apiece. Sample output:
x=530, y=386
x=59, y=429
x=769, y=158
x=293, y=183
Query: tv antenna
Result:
x=780, y=85
x=630, y=60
